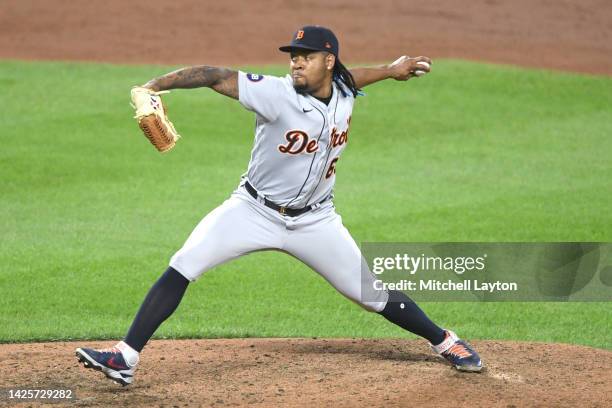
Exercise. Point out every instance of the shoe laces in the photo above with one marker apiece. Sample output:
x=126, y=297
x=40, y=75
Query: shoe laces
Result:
x=110, y=350
x=459, y=350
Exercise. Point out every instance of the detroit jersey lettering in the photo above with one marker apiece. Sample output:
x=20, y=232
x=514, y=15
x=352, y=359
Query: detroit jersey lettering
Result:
x=298, y=139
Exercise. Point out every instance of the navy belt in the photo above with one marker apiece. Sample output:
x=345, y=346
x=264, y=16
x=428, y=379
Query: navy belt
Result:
x=291, y=212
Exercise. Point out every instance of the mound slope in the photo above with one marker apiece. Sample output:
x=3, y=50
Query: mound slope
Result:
x=320, y=372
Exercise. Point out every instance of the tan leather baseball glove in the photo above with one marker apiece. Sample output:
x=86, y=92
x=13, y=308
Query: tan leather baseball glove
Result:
x=152, y=118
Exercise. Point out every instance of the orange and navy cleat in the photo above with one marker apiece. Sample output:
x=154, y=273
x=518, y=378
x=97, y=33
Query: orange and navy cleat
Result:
x=109, y=361
x=459, y=353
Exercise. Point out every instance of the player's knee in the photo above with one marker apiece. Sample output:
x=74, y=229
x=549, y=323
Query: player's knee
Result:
x=178, y=274
x=173, y=278
x=371, y=299
x=185, y=265
x=374, y=302
x=374, y=307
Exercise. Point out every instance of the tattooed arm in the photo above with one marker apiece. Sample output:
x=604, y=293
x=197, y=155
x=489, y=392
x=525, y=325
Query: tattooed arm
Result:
x=401, y=69
x=222, y=80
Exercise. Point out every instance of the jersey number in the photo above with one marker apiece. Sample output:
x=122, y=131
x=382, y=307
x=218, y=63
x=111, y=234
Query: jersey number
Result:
x=331, y=170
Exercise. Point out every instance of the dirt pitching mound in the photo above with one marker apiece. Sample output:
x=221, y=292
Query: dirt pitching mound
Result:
x=319, y=372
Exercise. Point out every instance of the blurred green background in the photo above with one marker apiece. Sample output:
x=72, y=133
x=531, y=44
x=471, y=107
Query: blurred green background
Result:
x=90, y=213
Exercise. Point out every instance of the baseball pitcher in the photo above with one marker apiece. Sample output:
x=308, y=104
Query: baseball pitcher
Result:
x=284, y=201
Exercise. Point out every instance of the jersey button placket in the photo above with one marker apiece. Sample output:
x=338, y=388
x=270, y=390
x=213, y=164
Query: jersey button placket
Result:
x=324, y=147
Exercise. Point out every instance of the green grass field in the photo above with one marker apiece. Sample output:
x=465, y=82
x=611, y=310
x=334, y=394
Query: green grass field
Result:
x=90, y=213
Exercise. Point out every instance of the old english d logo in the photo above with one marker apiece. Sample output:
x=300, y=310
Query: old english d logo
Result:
x=299, y=35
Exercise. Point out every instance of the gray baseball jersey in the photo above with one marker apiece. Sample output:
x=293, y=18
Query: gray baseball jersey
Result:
x=298, y=139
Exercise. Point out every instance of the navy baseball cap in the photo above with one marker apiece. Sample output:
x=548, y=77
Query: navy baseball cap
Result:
x=315, y=38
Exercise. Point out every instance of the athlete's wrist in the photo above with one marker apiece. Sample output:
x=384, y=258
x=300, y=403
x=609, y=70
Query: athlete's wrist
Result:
x=388, y=71
x=152, y=85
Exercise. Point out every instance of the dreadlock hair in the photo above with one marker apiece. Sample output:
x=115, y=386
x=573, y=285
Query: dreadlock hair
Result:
x=342, y=76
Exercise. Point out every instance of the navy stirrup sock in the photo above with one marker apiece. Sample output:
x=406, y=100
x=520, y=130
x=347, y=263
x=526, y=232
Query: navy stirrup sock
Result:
x=402, y=311
x=166, y=294
x=161, y=301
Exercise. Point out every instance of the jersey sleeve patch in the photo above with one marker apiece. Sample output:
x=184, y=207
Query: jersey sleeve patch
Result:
x=254, y=77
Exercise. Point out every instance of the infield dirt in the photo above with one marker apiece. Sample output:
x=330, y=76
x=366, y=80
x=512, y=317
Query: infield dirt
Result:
x=560, y=34
x=566, y=35
x=320, y=372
